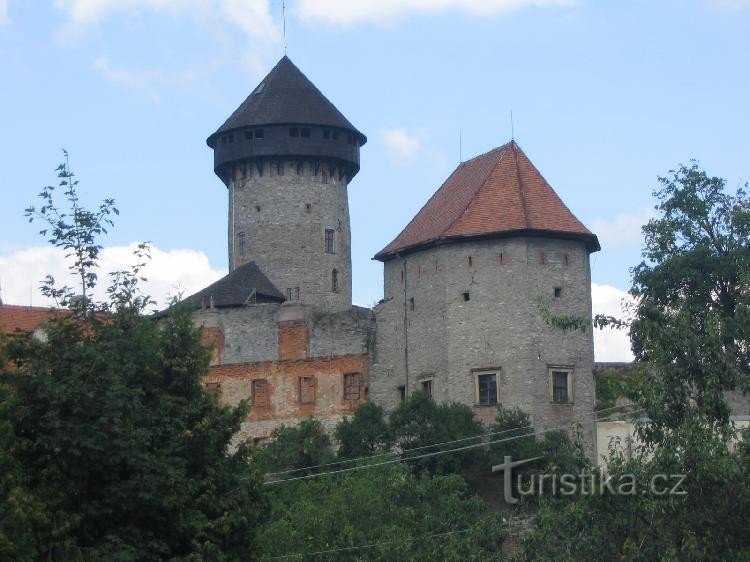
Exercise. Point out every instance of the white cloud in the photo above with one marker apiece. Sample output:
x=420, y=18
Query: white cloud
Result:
x=623, y=230
x=253, y=17
x=169, y=272
x=400, y=144
x=4, y=12
x=348, y=12
x=610, y=344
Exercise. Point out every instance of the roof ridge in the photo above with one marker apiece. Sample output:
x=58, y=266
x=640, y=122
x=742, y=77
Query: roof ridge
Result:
x=502, y=150
x=521, y=192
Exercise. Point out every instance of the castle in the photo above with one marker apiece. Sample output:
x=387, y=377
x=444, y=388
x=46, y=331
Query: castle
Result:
x=464, y=282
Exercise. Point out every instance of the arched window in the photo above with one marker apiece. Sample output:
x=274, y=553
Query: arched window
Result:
x=241, y=244
x=335, y=281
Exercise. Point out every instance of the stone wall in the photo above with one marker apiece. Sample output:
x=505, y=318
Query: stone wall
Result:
x=458, y=309
x=283, y=208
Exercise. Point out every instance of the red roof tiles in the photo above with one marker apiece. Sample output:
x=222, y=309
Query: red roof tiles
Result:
x=497, y=193
x=14, y=318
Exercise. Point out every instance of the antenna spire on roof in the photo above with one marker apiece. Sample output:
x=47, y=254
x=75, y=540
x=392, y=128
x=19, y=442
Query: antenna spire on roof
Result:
x=512, y=131
x=460, y=148
x=283, y=17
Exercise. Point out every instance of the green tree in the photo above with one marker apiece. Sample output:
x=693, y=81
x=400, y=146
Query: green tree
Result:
x=419, y=422
x=297, y=448
x=389, y=511
x=110, y=447
x=366, y=433
x=692, y=321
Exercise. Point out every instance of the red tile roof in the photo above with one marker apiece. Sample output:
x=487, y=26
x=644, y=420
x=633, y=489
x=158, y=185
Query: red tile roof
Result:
x=497, y=193
x=14, y=318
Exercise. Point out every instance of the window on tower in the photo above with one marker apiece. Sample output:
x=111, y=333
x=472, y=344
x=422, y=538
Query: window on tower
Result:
x=330, y=239
x=335, y=281
x=486, y=388
x=241, y=244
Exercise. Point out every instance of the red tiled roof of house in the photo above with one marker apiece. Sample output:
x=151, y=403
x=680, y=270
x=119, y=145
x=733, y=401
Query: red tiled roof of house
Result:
x=14, y=318
x=497, y=193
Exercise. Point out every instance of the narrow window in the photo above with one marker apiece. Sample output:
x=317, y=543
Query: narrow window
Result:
x=467, y=296
x=427, y=387
x=296, y=293
x=306, y=390
x=241, y=244
x=329, y=241
x=401, y=392
x=501, y=258
x=257, y=208
x=352, y=386
x=487, y=389
x=305, y=132
x=470, y=261
x=335, y=281
x=561, y=385
x=259, y=133
x=260, y=398
x=289, y=293
x=308, y=207
x=411, y=303
x=566, y=260
x=558, y=292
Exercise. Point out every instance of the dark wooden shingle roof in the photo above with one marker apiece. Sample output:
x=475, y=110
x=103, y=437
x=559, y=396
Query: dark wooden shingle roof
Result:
x=497, y=193
x=244, y=284
x=286, y=96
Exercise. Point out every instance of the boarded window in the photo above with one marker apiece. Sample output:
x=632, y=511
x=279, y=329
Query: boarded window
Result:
x=260, y=393
x=213, y=387
x=307, y=390
x=487, y=389
x=352, y=386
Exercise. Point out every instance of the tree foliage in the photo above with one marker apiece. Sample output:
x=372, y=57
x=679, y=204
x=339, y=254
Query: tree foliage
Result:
x=109, y=446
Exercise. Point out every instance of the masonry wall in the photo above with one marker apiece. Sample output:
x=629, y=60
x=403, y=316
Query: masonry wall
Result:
x=499, y=328
x=283, y=208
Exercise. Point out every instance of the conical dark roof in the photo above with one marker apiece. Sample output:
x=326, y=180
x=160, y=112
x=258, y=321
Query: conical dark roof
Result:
x=286, y=96
x=497, y=193
x=237, y=288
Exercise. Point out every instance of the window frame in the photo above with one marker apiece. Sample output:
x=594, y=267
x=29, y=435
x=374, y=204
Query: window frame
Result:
x=569, y=372
x=309, y=380
x=329, y=241
x=254, y=399
x=477, y=395
x=242, y=244
x=359, y=383
x=427, y=381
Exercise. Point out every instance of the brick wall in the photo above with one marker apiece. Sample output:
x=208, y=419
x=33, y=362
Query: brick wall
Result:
x=294, y=340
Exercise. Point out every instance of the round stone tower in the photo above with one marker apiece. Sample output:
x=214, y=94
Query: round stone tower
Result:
x=286, y=156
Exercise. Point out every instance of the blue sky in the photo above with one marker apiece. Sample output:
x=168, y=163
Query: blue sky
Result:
x=605, y=97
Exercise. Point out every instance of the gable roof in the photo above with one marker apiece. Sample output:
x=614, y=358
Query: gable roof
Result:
x=286, y=96
x=236, y=289
x=15, y=318
x=498, y=193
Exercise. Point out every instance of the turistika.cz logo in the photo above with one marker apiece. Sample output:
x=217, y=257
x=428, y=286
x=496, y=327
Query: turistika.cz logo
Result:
x=584, y=483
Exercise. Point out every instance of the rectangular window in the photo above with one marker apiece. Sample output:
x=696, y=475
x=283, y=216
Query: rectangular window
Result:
x=213, y=387
x=402, y=393
x=289, y=293
x=426, y=385
x=305, y=132
x=307, y=390
x=352, y=386
x=330, y=239
x=486, y=389
x=260, y=398
x=241, y=244
x=293, y=131
x=561, y=385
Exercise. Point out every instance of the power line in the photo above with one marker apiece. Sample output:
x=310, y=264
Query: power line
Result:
x=426, y=455
x=390, y=453
x=371, y=545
